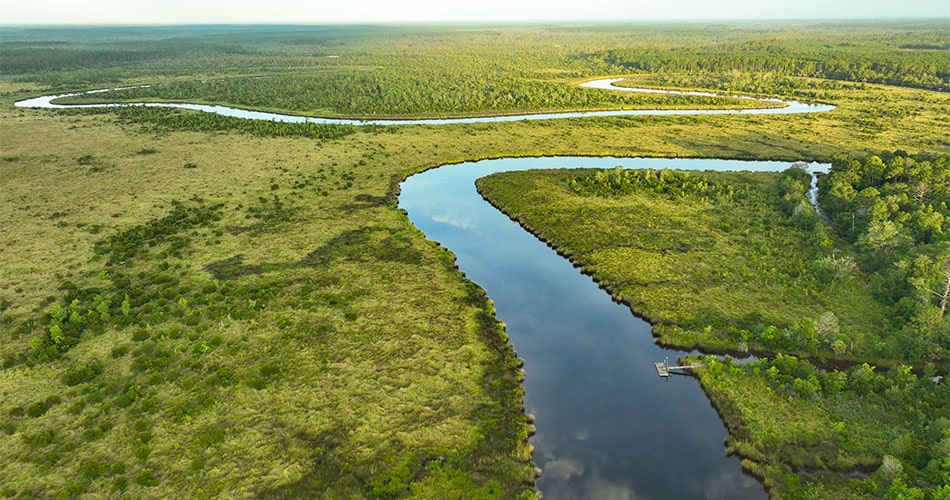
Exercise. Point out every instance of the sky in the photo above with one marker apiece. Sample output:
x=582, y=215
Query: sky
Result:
x=47, y=12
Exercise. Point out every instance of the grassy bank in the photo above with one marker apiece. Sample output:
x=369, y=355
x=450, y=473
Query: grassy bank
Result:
x=709, y=259
x=738, y=262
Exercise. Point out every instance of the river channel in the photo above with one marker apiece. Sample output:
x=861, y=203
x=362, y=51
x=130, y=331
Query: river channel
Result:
x=607, y=425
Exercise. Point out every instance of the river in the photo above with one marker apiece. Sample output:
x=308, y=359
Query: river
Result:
x=607, y=425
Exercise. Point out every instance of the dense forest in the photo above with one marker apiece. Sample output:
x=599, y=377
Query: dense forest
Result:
x=378, y=92
x=893, y=209
x=880, y=61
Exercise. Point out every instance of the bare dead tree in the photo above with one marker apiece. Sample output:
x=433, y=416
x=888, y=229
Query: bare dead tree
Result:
x=920, y=192
x=942, y=292
x=945, y=294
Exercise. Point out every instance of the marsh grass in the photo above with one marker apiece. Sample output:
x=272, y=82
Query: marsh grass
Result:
x=307, y=340
x=293, y=376
x=709, y=258
x=255, y=340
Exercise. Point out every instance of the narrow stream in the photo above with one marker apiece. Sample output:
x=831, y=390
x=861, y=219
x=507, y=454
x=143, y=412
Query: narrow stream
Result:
x=607, y=425
x=46, y=102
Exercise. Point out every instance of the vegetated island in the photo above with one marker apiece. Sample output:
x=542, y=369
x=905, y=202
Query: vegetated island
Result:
x=192, y=304
x=846, y=314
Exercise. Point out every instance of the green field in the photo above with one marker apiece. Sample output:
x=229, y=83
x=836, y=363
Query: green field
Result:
x=215, y=307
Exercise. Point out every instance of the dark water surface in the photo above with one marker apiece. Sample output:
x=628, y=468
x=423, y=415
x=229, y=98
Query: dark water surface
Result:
x=607, y=425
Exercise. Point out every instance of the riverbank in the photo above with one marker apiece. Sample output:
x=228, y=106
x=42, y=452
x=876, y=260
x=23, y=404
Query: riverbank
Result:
x=661, y=246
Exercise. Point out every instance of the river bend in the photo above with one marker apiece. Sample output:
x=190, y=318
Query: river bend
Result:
x=607, y=425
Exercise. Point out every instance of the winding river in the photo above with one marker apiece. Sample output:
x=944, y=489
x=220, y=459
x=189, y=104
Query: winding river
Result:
x=604, y=84
x=607, y=425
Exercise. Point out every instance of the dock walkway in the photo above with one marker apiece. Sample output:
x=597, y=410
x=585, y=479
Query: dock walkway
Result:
x=664, y=369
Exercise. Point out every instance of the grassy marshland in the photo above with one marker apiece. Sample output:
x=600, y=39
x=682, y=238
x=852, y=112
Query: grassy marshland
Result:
x=201, y=306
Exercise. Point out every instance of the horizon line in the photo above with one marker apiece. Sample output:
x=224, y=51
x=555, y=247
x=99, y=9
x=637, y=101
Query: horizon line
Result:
x=493, y=22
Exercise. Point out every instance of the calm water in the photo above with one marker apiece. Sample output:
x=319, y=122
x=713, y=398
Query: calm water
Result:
x=607, y=84
x=608, y=426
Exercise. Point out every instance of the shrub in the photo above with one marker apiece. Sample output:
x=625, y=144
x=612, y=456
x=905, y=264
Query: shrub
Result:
x=82, y=373
x=146, y=477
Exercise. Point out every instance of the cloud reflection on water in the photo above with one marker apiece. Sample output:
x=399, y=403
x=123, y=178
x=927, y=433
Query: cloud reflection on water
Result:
x=570, y=478
x=454, y=220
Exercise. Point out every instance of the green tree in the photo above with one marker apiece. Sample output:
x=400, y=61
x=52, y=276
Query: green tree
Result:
x=882, y=236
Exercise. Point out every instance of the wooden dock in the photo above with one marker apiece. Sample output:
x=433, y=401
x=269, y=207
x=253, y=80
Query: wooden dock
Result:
x=664, y=369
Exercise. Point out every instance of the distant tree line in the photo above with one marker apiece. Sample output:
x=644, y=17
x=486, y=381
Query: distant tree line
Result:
x=18, y=59
x=923, y=68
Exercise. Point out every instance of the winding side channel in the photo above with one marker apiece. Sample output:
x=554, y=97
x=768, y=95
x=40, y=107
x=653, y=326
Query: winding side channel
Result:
x=607, y=425
x=46, y=102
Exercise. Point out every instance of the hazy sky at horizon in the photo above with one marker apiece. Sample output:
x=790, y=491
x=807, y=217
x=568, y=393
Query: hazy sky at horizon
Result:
x=380, y=11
